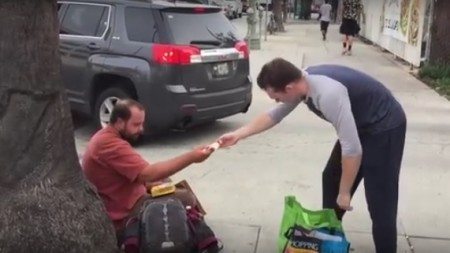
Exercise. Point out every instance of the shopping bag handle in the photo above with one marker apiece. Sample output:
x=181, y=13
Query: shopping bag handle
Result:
x=290, y=231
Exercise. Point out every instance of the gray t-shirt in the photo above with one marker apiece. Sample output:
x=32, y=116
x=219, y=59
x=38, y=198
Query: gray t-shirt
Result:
x=352, y=101
x=325, y=12
x=332, y=100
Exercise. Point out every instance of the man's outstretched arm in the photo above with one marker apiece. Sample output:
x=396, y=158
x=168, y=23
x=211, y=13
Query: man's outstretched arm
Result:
x=260, y=124
x=162, y=170
x=257, y=125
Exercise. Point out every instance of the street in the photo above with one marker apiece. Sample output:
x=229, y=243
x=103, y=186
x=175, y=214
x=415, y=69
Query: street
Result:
x=243, y=188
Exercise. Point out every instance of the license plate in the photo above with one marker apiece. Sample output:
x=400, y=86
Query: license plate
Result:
x=221, y=69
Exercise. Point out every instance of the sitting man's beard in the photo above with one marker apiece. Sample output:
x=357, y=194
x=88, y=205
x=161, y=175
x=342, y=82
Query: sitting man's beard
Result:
x=131, y=138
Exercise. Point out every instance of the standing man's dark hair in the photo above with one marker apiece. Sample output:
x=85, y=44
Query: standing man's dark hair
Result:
x=277, y=74
x=122, y=109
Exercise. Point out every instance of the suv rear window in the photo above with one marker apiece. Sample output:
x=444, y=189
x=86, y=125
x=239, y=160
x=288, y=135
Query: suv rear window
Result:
x=187, y=28
x=140, y=24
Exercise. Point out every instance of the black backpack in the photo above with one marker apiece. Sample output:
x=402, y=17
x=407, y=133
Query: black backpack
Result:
x=166, y=226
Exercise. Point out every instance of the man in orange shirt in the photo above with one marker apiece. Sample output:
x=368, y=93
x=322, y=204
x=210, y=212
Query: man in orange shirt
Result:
x=118, y=172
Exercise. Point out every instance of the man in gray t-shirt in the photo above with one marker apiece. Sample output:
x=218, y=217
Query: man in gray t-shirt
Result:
x=370, y=125
x=325, y=18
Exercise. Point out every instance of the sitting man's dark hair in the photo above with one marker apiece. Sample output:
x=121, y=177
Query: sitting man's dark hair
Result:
x=122, y=109
x=277, y=74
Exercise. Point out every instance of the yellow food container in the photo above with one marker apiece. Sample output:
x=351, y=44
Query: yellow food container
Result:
x=162, y=189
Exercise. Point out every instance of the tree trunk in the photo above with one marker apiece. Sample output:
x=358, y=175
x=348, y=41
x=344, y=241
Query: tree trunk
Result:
x=306, y=9
x=285, y=10
x=45, y=203
x=440, y=33
x=339, y=11
x=278, y=14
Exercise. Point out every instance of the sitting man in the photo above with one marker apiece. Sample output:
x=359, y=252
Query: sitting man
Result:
x=119, y=173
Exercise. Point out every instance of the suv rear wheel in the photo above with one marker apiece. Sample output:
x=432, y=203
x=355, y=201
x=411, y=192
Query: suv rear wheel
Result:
x=105, y=103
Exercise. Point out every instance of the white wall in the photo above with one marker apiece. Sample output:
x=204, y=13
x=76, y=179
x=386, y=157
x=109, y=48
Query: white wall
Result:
x=372, y=29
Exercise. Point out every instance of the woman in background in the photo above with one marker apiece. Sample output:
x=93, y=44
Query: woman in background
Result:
x=349, y=27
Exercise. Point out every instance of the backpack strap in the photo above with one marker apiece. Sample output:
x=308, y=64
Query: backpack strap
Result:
x=204, y=237
x=206, y=242
x=131, y=239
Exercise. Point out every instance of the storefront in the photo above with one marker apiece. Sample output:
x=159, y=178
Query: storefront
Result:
x=400, y=26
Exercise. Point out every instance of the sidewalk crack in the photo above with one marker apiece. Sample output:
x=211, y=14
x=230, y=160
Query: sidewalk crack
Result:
x=257, y=239
x=407, y=238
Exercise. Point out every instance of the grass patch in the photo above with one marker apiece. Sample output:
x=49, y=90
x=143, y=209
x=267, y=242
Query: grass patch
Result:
x=437, y=77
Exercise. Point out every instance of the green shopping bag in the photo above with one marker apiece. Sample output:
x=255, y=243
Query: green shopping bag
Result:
x=295, y=214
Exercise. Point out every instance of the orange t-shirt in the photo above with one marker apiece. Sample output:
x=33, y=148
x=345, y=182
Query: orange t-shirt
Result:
x=112, y=166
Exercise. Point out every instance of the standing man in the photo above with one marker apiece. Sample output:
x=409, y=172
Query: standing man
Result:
x=325, y=18
x=370, y=125
x=119, y=173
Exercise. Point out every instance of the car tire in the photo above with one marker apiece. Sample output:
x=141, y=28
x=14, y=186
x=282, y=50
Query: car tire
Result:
x=105, y=103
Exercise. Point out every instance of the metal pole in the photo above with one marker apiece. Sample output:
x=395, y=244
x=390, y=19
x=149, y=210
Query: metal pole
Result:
x=265, y=27
x=260, y=21
x=253, y=39
x=430, y=23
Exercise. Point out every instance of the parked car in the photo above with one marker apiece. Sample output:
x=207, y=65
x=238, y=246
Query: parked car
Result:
x=226, y=8
x=265, y=3
x=245, y=5
x=315, y=8
x=156, y=52
x=236, y=7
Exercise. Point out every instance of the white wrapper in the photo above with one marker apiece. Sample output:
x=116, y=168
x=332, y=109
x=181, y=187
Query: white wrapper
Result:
x=214, y=146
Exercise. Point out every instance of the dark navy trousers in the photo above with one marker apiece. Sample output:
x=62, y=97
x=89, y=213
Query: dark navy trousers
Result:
x=380, y=169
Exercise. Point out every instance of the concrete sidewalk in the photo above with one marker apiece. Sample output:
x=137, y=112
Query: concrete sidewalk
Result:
x=293, y=165
x=243, y=188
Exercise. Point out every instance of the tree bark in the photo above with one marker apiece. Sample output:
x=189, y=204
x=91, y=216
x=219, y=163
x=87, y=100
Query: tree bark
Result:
x=45, y=203
x=278, y=14
x=306, y=9
x=339, y=11
x=440, y=33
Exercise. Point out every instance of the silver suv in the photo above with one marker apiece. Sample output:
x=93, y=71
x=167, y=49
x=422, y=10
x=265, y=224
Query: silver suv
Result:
x=236, y=8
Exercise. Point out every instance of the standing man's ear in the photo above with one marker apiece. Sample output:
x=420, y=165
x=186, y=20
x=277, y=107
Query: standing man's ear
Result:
x=293, y=85
x=289, y=87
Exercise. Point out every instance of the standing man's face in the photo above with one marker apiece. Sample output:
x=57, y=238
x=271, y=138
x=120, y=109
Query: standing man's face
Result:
x=290, y=94
x=134, y=126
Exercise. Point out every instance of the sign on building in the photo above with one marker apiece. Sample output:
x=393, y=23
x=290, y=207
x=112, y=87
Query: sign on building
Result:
x=402, y=20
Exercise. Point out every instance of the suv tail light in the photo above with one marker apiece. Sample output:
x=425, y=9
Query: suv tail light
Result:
x=242, y=47
x=199, y=10
x=176, y=54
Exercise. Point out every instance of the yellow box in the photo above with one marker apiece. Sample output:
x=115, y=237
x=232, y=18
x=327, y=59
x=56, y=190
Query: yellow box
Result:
x=162, y=189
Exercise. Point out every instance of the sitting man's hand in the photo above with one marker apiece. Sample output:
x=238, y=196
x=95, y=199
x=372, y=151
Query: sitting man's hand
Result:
x=200, y=154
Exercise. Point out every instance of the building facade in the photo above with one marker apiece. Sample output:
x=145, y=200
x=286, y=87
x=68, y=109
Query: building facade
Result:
x=399, y=26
